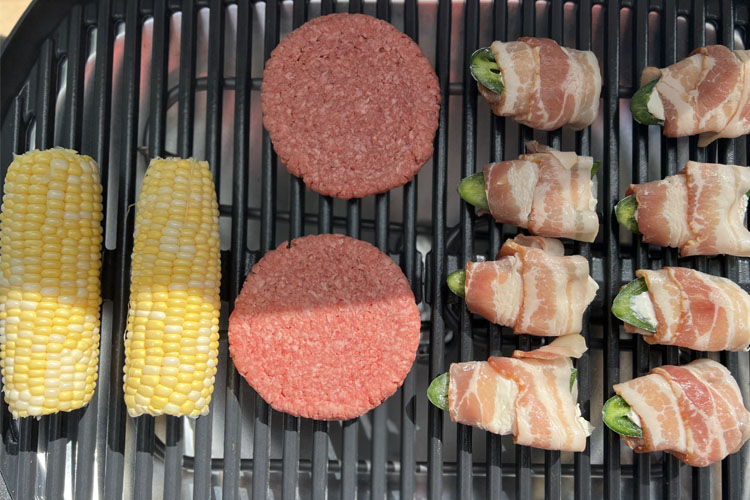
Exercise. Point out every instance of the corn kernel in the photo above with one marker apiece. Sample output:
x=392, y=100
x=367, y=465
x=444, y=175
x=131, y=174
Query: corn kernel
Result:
x=174, y=292
x=45, y=284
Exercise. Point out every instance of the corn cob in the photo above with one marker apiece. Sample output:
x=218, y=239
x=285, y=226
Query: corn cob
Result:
x=50, y=256
x=172, y=340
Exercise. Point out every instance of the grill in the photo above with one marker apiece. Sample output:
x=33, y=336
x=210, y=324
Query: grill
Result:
x=125, y=81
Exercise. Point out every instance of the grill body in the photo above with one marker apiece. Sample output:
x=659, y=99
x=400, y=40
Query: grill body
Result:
x=126, y=81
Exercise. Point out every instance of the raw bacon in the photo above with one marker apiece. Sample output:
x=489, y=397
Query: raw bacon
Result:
x=701, y=210
x=707, y=93
x=532, y=290
x=529, y=398
x=545, y=86
x=549, y=192
x=696, y=310
x=694, y=411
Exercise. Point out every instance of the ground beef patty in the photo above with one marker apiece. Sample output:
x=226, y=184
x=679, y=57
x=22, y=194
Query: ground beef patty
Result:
x=325, y=328
x=351, y=104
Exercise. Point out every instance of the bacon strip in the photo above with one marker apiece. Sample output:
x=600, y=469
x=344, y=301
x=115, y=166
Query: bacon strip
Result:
x=566, y=346
x=694, y=411
x=478, y=396
x=529, y=398
x=541, y=193
x=697, y=310
x=707, y=93
x=533, y=290
x=546, y=414
x=701, y=210
x=545, y=86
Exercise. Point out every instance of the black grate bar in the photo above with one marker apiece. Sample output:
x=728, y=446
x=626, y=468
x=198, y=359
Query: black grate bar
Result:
x=93, y=425
x=641, y=462
x=173, y=450
x=125, y=224
x=355, y=7
x=468, y=166
x=349, y=428
x=523, y=342
x=320, y=428
x=173, y=445
x=349, y=457
x=144, y=457
x=290, y=453
x=380, y=414
x=45, y=121
x=61, y=426
x=669, y=167
x=186, y=98
x=29, y=426
x=320, y=460
x=28, y=431
x=582, y=461
x=10, y=453
x=494, y=339
x=159, y=60
x=214, y=106
x=438, y=262
x=409, y=264
x=611, y=236
x=378, y=481
x=290, y=440
x=241, y=157
x=262, y=422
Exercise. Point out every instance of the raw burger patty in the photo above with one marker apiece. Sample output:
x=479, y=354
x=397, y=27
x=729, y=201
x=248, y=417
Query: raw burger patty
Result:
x=326, y=328
x=351, y=104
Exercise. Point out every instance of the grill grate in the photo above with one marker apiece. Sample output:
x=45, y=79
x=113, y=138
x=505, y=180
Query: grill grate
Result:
x=123, y=81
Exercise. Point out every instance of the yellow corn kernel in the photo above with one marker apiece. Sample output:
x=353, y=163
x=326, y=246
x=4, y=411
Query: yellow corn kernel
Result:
x=49, y=281
x=174, y=292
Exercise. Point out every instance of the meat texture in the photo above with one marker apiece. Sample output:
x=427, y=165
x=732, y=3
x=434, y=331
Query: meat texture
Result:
x=325, y=327
x=535, y=291
x=701, y=210
x=551, y=193
x=696, y=310
x=694, y=412
x=530, y=398
x=545, y=86
x=707, y=93
x=351, y=104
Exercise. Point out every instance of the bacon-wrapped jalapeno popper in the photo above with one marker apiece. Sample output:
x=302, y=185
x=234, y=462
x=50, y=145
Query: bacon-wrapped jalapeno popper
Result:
x=531, y=287
x=694, y=411
x=686, y=308
x=538, y=83
x=531, y=395
x=701, y=210
x=549, y=192
x=707, y=93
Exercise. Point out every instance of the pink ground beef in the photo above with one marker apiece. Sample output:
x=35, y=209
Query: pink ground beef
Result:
x=326, y=328
x=351, y=105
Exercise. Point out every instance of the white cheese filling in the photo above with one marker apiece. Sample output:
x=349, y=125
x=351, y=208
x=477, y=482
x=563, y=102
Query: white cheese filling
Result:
x=635, y=418
x=655, y=106
x=642, y=307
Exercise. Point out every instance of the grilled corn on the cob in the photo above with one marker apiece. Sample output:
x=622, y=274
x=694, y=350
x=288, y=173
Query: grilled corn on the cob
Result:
x=50, y=256
x=172, y=341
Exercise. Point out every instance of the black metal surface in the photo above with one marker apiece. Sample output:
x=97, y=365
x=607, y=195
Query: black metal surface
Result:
x=117, y=456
